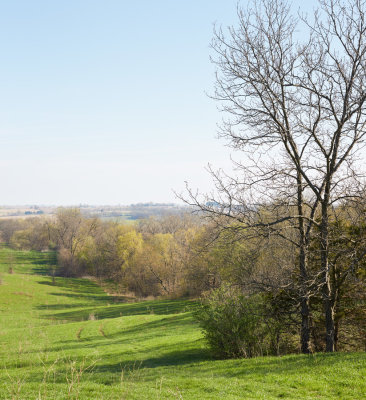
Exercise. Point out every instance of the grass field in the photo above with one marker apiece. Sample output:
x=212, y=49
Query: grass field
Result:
x=70, y=340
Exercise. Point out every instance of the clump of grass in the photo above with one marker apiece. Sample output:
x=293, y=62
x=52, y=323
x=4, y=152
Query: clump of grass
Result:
x=53, y=273
x=14, y=386
x=78, y=333
x=73, y=376
x=101, y=330
x=22, y=294
x=176, y=393
x=92, y=317
x=133, y=371
x=150, y=310
x=130, y=374
x=49, y=373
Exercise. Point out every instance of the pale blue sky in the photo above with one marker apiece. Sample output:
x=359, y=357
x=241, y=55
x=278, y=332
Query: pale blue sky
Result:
x=103, y=101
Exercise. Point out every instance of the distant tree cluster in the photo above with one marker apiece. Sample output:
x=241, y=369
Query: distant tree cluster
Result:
x=166, y=256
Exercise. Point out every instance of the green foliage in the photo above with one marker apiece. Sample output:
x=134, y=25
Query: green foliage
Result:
x=235, y=325
x=128, y=245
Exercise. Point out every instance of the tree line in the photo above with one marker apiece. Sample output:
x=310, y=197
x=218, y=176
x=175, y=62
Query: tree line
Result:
x=155, y=256
x=248, y=285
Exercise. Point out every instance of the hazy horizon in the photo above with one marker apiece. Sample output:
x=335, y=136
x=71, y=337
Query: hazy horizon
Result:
x=152, y=203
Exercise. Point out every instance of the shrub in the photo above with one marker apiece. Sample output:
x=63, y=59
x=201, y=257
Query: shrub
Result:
x=236, y=325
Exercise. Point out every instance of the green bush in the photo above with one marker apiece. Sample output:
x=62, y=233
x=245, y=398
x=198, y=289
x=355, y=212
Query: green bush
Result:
x=236, y=326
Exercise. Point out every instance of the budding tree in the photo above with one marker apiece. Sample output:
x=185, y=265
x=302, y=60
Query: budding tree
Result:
x=293, y=93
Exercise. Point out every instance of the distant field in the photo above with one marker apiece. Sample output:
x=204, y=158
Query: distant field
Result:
x=70, y=340
x=125, y=214
x=126, y=219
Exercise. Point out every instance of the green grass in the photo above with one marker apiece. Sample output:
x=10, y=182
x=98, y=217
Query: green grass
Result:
x=70, y=340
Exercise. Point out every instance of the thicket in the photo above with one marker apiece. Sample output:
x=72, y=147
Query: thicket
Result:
x=242, y=325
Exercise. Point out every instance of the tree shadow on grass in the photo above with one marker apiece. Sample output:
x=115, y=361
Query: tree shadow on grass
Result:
x=75, y=285
x=286, y=366
x=43, y=263
x=141, y=332
x=167, y=359
x=199, y=363
x=127, y=355
x=29, y=262
x=102, y=370
x=83, y=289
x=158, y=307
x=234, y=368
x=92, y=299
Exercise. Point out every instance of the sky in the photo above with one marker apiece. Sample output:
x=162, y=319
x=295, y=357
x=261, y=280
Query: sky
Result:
x=105, y=101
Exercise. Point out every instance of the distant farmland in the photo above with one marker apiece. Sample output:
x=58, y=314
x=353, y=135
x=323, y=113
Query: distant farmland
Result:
x=118, y=213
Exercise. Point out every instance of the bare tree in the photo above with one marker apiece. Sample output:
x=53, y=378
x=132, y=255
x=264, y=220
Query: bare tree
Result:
x=292, y=90
x=69, y=232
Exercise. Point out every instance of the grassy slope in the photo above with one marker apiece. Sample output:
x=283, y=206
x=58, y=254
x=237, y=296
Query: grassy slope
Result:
x=71, y=340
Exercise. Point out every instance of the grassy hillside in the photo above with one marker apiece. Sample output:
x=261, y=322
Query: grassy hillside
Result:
x=70, y=340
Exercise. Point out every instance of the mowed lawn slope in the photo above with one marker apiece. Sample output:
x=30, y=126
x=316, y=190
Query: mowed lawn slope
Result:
x=70, y=340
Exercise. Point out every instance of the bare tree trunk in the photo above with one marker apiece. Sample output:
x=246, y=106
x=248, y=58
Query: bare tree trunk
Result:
x=336, y=305
x=336, y=331
x=159, y=279
x=305, y=326
x=304, y=297
x=327, y=289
